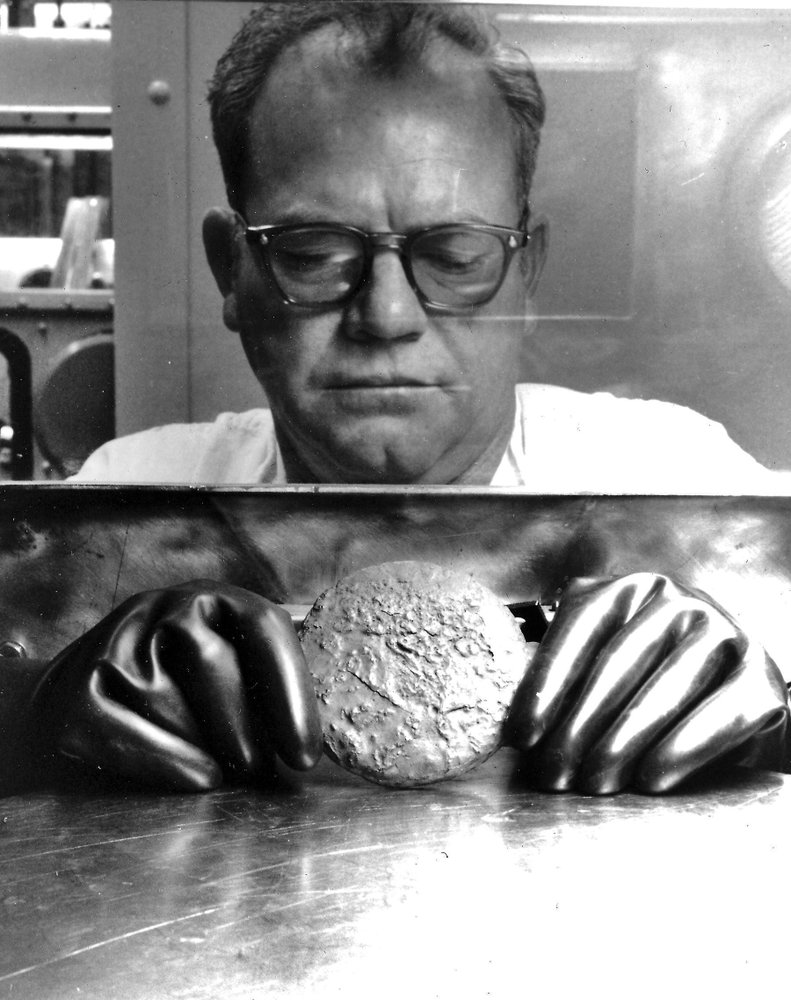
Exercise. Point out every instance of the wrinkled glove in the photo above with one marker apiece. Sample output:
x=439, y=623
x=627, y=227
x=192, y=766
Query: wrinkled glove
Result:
x=639, y=682
x=183, y=687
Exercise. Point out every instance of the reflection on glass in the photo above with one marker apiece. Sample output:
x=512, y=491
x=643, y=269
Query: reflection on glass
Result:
x=55, y=220
x=775, y=216
x=44, y=16
x=6, y=430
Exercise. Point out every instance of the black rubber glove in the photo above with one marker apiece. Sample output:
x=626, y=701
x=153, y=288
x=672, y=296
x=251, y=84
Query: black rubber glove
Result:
x=184, y=688
x=639, y=682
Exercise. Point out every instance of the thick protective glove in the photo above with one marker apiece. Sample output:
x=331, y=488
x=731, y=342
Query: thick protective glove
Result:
x=639, y=682
x=183, y=688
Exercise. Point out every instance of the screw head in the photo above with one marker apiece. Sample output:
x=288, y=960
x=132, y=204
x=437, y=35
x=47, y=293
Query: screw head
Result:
x=12, y=650
x=158, y=92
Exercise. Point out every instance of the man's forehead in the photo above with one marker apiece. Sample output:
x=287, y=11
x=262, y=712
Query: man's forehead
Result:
x=324, y=126
x=331, y=57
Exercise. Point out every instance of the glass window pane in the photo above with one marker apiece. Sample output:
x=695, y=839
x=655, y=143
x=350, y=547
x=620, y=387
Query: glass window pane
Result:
x=55, y=219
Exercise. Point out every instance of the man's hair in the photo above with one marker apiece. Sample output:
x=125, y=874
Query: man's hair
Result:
x=387, y=37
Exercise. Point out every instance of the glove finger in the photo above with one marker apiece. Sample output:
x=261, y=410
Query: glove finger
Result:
x=620, y=670
x=591, y=613
x=210, y=663
x=207, y=675
x=119, y=648
x=143, y=687
x=241, y=666
x=277, y=677
x=112, y=739
x=112, y=665
x=695, y=667
x=753, y=701
x=175, y=669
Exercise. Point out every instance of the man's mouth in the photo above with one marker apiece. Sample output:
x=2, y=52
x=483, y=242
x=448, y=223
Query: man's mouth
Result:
x=379, y=382
x=382, y=395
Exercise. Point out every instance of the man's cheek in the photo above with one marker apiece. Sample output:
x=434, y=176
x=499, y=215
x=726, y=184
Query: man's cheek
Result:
x=272, y=353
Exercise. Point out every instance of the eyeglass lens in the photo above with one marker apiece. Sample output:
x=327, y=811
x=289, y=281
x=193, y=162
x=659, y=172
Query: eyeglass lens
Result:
x=315, y=265
x=451, y=267
x=457, y=267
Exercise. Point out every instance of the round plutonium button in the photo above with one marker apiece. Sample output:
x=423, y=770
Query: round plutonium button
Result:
x=415, y=667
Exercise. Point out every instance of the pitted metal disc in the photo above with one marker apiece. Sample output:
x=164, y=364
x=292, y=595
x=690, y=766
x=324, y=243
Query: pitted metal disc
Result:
x=415, y=668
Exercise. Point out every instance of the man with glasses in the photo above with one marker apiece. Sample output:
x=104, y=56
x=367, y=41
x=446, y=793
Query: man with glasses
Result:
x=378, y=260
x=376, y=250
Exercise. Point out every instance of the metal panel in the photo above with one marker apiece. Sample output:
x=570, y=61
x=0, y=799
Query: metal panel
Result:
x=220, y=377
x=704, y=106
x=151, y=184
x=82, y=58
x=69, y=554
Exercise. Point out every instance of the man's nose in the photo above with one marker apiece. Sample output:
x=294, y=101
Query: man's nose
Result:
x=386, y=307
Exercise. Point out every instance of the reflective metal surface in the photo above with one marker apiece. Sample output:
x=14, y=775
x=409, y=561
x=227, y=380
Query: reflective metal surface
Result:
x=68, y=554
x=470, y=889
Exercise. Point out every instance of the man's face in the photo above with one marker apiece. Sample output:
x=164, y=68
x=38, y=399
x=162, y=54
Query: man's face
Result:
x=381, y=389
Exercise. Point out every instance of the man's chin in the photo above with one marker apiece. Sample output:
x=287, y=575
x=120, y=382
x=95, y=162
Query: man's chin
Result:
x=334, y=446
x=392, y=468
x=378, y=460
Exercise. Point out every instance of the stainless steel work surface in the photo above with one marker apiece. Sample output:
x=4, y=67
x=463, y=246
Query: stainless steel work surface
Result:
x=334, y=887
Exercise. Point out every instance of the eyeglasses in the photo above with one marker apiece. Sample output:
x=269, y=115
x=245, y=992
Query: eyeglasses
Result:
x=451, y=267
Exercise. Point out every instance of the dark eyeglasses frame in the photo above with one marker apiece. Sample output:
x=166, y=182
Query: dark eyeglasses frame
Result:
x=512, y=240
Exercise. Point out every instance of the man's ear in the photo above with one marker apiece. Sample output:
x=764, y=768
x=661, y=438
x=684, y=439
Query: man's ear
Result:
x=219, y=242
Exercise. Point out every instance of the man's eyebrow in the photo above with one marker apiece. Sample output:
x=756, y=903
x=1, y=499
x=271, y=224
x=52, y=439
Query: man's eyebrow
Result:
x=458, y=218
x=297, y=217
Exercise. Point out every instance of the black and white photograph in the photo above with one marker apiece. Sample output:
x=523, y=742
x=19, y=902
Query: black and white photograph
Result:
x=395, y=499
